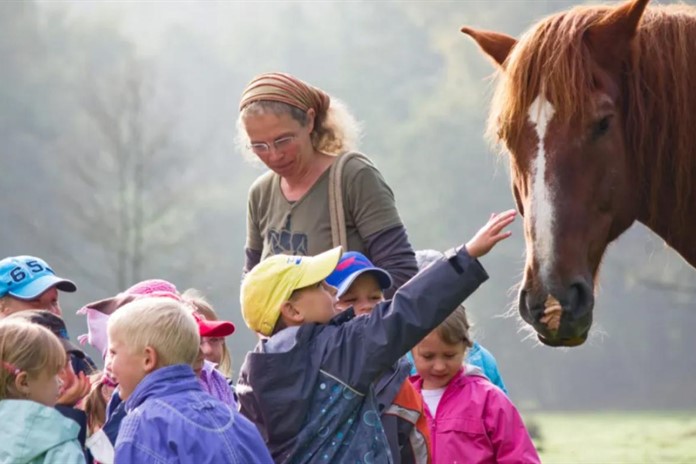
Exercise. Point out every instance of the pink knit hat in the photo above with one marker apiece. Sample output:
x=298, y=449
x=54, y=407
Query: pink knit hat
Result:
x=148, y=287
x=98, y=312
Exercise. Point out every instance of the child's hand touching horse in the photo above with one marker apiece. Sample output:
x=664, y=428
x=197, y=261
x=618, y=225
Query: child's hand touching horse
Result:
x=491, y=233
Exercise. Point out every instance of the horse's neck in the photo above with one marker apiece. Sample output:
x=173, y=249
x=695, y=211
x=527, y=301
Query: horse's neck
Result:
x=678, y=232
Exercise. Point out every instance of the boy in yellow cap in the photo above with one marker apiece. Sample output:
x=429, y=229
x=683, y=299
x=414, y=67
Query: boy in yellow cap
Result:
x=308, y=387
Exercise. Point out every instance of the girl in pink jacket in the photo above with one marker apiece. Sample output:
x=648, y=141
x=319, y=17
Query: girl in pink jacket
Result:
x=470, y=419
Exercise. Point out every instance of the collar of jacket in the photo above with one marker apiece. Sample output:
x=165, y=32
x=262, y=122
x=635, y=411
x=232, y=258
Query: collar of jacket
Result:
x=342, y=317
x=459, y=377
x=169, y=380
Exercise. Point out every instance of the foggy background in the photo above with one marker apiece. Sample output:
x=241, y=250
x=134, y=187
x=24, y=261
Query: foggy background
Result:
x=118, y=163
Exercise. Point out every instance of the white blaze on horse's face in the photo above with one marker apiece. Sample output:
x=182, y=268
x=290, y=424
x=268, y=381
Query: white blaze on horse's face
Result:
x=543, y=194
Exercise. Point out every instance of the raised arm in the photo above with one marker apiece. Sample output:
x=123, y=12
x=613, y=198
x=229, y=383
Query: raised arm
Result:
x=377, y=341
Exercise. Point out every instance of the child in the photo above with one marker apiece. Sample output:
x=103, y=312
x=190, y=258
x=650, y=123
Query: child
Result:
x=476, y=355
x=104, y=420
x=152, y=343
x=212, y=380
x=27, y=282
x=468, y=415
x=32, y=430
x=309, y=387
x=360, y=285
x=214, y=348
x=95, y=402
x=74, y=376
x=98, y=314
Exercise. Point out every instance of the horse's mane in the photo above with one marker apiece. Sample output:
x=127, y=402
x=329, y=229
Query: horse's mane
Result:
x=554, y=58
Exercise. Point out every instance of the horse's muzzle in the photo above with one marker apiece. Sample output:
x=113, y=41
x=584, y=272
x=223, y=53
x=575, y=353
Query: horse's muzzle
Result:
x=574, y=306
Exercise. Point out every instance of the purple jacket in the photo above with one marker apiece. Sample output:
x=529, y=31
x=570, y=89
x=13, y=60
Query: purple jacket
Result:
x=214, y=383
x=477, y=423
x=171, y=419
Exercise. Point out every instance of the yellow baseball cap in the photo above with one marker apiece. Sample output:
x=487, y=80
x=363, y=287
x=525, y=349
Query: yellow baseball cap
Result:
x=273, y=280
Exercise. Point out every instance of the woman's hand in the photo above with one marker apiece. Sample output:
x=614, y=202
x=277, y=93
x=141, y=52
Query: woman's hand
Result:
x=491, y=233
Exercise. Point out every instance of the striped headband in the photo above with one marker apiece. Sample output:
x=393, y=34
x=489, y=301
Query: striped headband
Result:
x=284, y=88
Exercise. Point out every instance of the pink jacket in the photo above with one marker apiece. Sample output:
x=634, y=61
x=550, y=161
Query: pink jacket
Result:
x=476, y=423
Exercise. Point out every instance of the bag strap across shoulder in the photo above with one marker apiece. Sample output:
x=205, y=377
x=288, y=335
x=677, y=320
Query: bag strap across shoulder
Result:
x=339, y=235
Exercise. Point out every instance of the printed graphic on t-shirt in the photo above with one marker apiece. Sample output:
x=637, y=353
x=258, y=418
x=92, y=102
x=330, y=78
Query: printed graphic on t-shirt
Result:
x=284, y=241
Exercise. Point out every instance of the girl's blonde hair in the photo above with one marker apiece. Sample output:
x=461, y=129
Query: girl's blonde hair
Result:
x=334, y=133
x=162, y=323
x=26, y=347
x=199, y=304
x=455, y=329
x=94, y=404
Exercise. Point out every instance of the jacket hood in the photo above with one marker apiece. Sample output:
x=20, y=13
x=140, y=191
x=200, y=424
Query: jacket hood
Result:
x=166, y=381
x=42, y=428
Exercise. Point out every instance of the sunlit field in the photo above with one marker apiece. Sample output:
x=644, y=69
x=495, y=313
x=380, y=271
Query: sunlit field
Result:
x=615, y=437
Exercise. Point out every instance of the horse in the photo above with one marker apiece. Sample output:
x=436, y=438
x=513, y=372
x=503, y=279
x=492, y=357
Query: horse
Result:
x=596, y=106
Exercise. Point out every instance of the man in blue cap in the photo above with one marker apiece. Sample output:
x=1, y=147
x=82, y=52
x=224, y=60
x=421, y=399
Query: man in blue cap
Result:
x=27, y=282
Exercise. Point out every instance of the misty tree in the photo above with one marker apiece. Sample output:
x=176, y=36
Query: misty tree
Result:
x=126, y=171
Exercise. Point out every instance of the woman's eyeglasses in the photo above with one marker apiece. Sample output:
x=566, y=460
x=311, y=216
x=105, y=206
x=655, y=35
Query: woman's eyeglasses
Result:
x=280, y=144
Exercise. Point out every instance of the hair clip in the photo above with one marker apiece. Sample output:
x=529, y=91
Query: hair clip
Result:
x=11, y=368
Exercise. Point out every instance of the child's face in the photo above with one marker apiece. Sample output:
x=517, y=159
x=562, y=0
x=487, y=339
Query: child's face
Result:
x=315, y=303
x=436, y=361
x=66, y=375
x=363, y=295
x=128, y=367
x=108, y=364
x=44, y=388
x=212, y=348
x=48, y=300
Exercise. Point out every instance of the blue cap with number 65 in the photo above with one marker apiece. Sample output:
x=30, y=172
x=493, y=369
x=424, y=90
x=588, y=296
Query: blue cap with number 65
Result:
x=27, y=277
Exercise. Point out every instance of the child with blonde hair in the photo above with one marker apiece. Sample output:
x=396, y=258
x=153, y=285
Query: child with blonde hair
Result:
x=214, y=347
x=153, y=343
x=467, y=415
x=30, y=360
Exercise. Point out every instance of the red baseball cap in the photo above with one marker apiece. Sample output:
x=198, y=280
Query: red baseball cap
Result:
x=208, y=328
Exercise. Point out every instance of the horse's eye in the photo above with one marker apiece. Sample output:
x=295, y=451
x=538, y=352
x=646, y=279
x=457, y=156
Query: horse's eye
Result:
x=601, y=127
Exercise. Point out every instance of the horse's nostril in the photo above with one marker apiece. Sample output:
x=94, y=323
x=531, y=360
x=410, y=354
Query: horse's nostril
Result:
x=526, y=306
x=580, y=297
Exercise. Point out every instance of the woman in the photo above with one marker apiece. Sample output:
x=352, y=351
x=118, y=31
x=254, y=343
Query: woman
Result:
x=298, y=131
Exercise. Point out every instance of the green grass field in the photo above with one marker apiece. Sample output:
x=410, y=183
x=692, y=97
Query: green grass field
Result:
x=615, y=437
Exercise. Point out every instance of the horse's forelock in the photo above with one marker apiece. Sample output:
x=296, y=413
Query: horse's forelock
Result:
x=551, y=59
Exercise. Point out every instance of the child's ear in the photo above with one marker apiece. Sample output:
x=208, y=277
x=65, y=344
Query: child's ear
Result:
x=150, y=359
x=21, y=384
x=289, y=312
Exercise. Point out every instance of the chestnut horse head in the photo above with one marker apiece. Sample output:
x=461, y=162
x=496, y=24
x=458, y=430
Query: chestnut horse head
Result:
x=597, y=109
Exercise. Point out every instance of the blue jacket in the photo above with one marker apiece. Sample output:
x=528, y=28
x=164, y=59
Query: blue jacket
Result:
x=310, y=389
x=170, y=419
x=481, y=357
x=115, y=412
x=32, y=433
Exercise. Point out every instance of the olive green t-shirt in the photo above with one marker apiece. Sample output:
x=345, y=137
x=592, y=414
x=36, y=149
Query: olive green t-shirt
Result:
x=277, y=226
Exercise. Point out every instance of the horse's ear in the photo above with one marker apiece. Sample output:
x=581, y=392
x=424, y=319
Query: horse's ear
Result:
x=611, y=36
x=494, y=44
